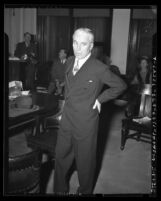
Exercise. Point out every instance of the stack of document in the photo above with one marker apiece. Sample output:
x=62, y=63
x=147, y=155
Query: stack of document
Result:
x=15, y=89
x=16, y=83
x=14, y=58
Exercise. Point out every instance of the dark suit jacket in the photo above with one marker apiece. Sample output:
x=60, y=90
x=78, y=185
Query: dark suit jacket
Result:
x=21, y=49
x=58, y=71
x=81, y=92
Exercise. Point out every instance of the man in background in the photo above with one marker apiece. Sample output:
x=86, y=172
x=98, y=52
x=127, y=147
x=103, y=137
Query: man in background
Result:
x=58, y=73
x=27, y=51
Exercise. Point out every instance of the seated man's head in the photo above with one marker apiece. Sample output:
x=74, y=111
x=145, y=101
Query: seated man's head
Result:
x=62, y=54
x=27, y=37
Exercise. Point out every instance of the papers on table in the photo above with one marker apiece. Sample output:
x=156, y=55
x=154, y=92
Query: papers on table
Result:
x=15, y=88
x=14, y=58
x=25, y=93
x=15, y=83
x=12, y=97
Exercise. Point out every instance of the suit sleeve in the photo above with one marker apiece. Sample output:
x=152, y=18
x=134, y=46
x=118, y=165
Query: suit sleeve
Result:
x=115, y=83
x=53, y=73
x=35, y=51
x=32, y=49
x=69, y=60
x=18, y=51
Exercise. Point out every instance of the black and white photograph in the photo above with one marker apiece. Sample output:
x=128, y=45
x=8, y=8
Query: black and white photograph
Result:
x=80, y=100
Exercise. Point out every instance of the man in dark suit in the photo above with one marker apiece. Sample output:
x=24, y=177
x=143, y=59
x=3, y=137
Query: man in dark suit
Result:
x=58, y=68
x=27, y=51
x=77, y=137
x=58, y=72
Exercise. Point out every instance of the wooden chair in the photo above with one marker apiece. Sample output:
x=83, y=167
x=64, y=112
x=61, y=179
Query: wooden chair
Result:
x=47, y=138
x=138, y=121
x=23, y=164
x=24, y=173
x=43, y=74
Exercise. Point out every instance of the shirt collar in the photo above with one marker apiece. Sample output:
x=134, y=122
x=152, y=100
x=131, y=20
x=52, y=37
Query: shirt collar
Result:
x=82, y=61
x=63, y=60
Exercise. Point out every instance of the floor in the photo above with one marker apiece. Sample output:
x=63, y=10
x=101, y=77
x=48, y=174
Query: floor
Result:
x=119, y=172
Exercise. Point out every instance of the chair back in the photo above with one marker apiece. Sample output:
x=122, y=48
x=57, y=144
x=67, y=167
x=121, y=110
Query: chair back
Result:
x=24, y=173
x=145, y=103
x=139, y=104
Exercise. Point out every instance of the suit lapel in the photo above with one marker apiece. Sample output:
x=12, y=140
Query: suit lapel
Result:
x=83, y=71
x=69, y=68
x=70, y=65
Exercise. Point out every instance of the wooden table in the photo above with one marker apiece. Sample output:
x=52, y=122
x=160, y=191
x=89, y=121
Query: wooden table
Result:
x=44, y=105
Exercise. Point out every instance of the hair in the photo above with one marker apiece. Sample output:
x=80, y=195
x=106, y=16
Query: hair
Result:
x=27, y=33
x=143, y=58
x=88, y=31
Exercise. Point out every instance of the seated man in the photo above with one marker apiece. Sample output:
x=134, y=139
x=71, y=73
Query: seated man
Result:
x=58, y=73
x=27, y=51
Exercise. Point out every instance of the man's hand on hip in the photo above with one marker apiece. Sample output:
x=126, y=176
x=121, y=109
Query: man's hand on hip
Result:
x=97, y=105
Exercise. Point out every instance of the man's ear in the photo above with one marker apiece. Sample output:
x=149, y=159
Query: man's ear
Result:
x=91, y=47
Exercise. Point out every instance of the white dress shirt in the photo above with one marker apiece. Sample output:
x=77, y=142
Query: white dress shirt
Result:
x=81, y=61
x=63, y=61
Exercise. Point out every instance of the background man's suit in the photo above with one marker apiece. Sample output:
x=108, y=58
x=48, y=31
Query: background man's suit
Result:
x=21, y=50
x=58, y=71
x=79, y=124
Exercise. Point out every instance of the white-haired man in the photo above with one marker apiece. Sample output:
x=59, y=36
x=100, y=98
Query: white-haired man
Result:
x=77, y=137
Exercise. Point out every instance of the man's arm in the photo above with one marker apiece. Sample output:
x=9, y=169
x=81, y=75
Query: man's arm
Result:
x=116, y=84
x=54, y=71
x=33, y=51
x=18, y=52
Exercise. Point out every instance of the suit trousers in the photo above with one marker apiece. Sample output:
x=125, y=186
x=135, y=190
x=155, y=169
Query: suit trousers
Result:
x=83, y=151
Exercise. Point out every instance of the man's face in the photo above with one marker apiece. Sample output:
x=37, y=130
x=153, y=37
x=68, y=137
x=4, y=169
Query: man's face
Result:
x=27, y=38
x=143, y=64
x=62, y=54
x=82, y=45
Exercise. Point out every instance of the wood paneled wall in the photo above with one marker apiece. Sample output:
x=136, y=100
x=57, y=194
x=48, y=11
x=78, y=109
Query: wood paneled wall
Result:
x=140, y=40
x=55, y=30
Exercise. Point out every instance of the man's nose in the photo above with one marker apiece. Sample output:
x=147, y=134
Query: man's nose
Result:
x=78, y=47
